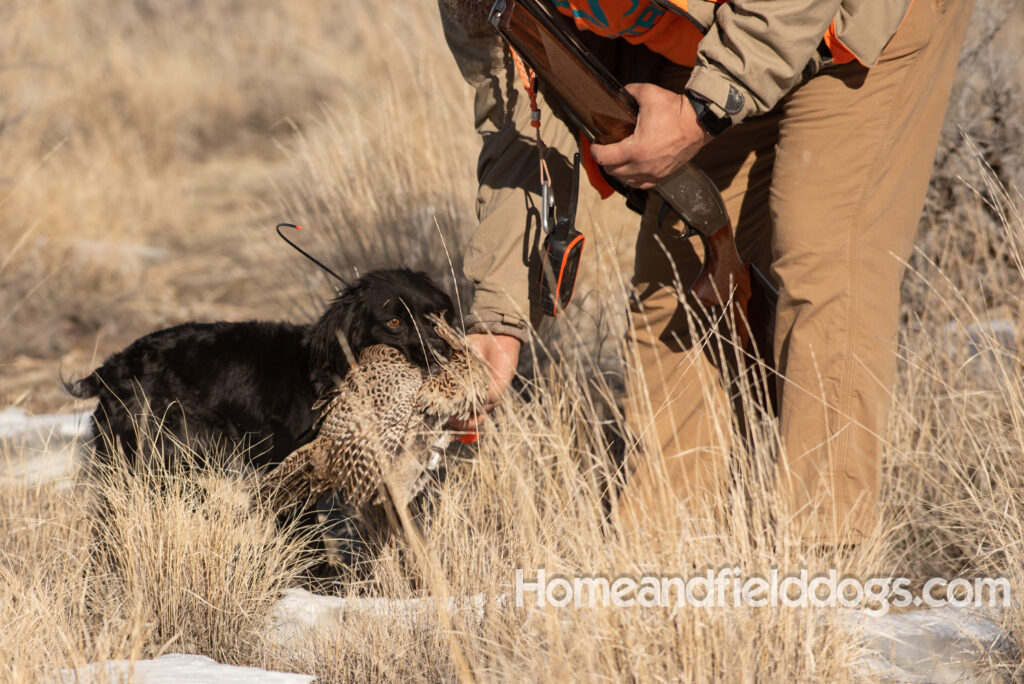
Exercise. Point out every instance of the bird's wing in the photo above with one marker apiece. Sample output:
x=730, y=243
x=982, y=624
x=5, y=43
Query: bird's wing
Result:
x=289, y=484
x=361, y=432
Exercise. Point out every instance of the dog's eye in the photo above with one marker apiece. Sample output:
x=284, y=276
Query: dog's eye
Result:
x=394, y=323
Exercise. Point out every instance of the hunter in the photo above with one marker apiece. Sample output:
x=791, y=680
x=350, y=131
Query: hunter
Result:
x=818, y=120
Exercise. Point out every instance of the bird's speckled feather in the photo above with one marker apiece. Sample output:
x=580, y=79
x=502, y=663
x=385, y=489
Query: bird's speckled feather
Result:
x=384, y=425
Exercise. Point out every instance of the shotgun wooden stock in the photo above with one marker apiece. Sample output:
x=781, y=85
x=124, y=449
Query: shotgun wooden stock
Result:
x=603, y=111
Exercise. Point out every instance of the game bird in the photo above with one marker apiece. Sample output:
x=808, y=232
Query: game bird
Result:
x=383, y=431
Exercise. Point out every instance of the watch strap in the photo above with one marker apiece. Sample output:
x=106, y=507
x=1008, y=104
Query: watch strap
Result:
x=708, y=120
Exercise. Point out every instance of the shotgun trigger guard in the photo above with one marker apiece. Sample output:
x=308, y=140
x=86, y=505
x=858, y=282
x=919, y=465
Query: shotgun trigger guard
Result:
x=688, y=230
x=687, y=233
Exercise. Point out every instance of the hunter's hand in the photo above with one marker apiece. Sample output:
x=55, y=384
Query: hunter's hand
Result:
x=501, y=354
x=667, y=136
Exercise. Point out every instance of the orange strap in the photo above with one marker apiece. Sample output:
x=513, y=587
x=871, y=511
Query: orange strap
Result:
x=594, y=175
x=529, y=80
x=530, y=85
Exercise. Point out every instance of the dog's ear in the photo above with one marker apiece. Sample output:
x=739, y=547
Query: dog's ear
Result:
x=346, y=318
x=354, y=328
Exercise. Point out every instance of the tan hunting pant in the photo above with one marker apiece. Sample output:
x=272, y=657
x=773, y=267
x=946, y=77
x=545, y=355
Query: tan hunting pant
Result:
x=825, y=193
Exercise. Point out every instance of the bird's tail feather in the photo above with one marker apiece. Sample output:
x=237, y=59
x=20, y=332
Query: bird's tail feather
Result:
x=287, y=485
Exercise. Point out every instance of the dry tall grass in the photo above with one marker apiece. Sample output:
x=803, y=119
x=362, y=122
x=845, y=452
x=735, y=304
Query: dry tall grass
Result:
x=174, y=563
x=147, y=150
x=141, y=170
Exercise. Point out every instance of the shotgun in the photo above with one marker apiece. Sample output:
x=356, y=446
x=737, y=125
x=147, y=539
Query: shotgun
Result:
x=605, y=113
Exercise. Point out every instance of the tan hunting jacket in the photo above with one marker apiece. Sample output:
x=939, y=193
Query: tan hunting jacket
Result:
x=746, y=54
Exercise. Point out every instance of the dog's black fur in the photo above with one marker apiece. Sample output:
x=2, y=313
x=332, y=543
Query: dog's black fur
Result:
x=254, y=384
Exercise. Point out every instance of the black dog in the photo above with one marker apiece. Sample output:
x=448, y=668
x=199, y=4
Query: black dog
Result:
x=254, y=384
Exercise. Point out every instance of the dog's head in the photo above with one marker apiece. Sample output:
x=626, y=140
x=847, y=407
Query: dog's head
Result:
x=388, y=306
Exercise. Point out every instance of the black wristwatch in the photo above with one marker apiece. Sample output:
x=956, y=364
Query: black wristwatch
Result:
x=708, y=120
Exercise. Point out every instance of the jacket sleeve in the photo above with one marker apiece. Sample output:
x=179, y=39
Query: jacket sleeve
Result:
x=756, y=51
x=493, y=259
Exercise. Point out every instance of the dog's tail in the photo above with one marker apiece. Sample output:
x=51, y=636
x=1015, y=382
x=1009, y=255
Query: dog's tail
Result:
x=86, y=388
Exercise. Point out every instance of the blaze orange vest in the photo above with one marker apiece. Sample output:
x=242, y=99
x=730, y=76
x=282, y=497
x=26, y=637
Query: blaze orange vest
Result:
x=669, y=34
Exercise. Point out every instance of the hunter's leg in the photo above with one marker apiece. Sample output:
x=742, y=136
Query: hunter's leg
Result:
x=677, y=406
x=855, y=153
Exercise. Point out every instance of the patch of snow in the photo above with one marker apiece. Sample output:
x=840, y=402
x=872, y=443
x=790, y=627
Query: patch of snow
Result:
x=46, y=444
x=299, y=611
x=40, y=467
x=16, y=422
x=938, y=645
x=177, y=668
